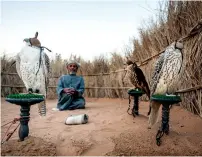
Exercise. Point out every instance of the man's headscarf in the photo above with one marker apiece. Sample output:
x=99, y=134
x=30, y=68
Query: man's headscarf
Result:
x=73, y=62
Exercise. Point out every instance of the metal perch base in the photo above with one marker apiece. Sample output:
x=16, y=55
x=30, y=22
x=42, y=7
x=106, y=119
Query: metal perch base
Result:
x=166, y=101
x=25, y=101
x=136, y=93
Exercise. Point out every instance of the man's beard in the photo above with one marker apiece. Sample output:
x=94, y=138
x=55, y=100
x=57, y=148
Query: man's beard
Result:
x=72, y=72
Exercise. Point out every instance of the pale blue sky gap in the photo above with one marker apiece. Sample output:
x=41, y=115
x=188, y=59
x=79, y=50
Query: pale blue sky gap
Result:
x=85, y=28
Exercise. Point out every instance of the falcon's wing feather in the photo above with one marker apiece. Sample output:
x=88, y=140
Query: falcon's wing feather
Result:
x=141, y=78
x=140, y=74
x=18, y=65
x=157, y=72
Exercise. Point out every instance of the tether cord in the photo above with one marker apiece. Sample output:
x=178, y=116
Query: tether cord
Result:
x=129, y=105
x=41, y=49
x=11, y=133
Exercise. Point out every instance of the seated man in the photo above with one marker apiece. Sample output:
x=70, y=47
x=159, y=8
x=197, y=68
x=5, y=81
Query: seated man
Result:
x=70, y=89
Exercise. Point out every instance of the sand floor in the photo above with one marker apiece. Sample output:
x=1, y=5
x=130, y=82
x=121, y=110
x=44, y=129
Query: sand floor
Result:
x=110, y=131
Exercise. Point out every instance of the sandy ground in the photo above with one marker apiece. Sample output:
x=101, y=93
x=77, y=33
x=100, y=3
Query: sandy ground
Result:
x=110, y=131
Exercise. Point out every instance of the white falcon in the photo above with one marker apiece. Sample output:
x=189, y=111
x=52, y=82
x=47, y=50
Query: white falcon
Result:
x=33, y=67
x=165, y=76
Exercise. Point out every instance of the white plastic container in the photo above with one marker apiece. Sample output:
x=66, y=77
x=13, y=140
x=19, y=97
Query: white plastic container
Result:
x=77, y=119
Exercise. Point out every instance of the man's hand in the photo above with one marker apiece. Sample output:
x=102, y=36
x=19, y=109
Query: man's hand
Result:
x=71, y=91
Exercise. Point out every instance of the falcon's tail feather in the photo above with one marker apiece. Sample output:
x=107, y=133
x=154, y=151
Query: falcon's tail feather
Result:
x=147, y=90
x=42, y=108
x=154, y=113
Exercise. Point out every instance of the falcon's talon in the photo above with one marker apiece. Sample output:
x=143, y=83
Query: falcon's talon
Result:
x=30, y=90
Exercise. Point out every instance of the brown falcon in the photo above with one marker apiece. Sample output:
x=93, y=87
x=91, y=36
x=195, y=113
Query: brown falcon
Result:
x=137, y=78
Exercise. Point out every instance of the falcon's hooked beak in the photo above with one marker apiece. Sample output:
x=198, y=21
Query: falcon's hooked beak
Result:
x=26, y=40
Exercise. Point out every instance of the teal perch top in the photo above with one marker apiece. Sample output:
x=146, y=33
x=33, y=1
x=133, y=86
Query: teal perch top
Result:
x=137, y=92
x=24, y=99
x=168, y=99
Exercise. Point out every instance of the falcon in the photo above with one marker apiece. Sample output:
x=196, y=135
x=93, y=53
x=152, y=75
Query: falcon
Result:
x=165, y=76
x=137, y=77
x=33, y=67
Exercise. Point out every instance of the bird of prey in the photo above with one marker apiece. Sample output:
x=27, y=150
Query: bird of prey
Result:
x=137, y=77
x=33, y=67
x=165, y=76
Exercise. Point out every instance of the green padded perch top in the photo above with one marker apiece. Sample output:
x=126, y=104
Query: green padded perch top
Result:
x=135, y=92
x=25, y=99
x=171, y=99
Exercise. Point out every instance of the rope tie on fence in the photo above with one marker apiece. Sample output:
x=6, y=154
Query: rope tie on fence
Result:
x=195, y=30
